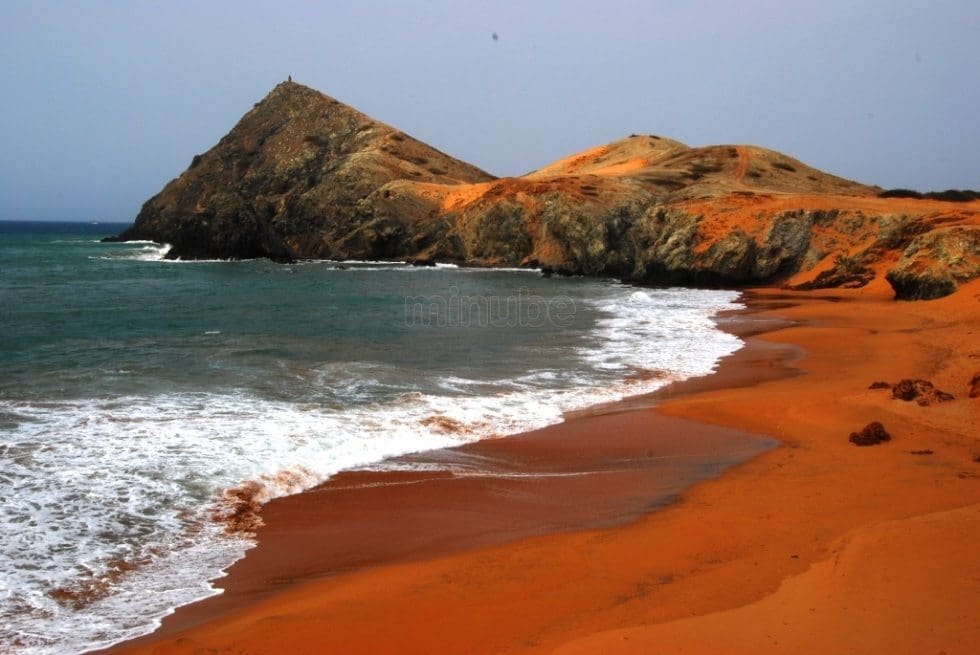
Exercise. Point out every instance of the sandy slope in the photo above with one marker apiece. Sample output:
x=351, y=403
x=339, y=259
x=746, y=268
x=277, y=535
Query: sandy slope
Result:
x=885, y=589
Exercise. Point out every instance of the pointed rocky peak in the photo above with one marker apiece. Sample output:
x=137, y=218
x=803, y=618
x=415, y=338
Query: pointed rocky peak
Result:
x=298, y=129
x=617, y=158
x=298, y=163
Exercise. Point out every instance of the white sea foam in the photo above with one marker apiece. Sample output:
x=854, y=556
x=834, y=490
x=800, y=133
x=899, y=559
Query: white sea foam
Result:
x=145, y=251
x=506, y=269
x=108, y=503
x=150, y=251
x=178, y=260
x=373, y=262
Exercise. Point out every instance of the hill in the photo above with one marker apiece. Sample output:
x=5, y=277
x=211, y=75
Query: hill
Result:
x=305, y=176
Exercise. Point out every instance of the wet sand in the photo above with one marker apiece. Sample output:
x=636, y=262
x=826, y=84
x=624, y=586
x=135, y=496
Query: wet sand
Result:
x=552, y=541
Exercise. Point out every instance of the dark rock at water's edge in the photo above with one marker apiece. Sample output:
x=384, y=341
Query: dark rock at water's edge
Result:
x=303, y=176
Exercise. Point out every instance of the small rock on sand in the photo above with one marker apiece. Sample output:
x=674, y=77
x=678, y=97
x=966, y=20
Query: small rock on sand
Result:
x=921, y=391
x=873, y=433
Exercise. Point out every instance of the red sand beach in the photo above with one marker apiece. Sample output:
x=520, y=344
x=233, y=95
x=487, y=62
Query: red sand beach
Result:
x=587, y=537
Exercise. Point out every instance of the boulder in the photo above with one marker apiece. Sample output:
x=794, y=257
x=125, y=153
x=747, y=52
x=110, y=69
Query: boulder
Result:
x=921, y=391
x=870, y=435
x=935, y=263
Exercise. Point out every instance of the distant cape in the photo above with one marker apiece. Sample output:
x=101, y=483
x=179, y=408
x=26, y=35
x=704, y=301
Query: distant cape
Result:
x=304, y=176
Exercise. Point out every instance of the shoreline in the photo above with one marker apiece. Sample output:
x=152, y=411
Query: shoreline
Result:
x=541, y=464
x=546, y=618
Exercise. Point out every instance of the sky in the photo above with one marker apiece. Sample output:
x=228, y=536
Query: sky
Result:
x=104, y=102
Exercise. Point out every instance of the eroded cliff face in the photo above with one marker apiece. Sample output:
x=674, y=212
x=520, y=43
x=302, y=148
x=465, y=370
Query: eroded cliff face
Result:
x=936, y=262
x=304, y=176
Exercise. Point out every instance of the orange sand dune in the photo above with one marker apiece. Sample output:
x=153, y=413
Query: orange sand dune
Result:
x=447, y=196
x=621, y=168
x=622, y=157
x=572, y=163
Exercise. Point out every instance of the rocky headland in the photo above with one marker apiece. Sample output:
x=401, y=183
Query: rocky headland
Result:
x=303, y=176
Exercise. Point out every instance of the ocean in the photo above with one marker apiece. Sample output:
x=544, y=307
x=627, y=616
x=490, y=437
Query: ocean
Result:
x=137, y=395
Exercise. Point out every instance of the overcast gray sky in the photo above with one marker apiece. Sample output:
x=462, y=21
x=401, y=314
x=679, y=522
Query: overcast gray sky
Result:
x=104, y=102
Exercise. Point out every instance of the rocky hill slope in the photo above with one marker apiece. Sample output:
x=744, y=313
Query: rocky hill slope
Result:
x=292, y=179
x=304, y=176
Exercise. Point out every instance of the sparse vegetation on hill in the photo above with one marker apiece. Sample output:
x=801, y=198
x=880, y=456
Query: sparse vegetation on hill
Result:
x=949, y=195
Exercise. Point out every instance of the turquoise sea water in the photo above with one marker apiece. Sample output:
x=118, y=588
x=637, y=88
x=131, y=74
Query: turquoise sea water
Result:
x=134, y=391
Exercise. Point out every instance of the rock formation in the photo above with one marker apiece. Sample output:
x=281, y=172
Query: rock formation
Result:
x=871, y=434
x=304, y=176
x=921, y=391
x=298, y=176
